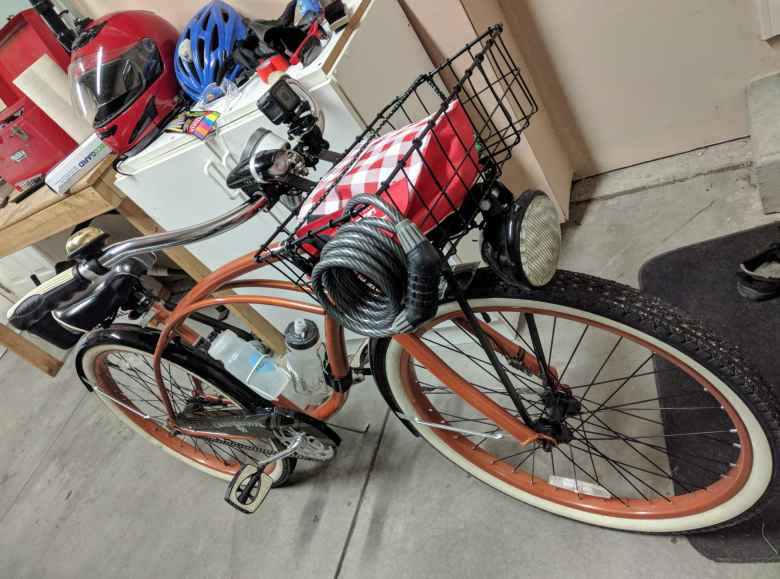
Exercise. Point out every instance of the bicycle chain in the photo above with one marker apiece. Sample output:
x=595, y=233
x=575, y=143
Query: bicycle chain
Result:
x=265, y=452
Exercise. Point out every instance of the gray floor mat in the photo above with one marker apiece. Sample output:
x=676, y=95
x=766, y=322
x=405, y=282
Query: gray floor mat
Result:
x=701, y=280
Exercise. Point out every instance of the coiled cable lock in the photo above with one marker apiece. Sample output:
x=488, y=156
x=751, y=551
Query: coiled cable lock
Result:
x=378, y=276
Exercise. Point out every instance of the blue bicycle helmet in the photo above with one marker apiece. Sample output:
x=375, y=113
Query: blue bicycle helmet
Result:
x=204, y=53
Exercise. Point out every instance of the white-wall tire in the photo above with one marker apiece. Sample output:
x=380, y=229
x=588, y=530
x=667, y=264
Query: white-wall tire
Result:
x=88, y=357
x=762, y=476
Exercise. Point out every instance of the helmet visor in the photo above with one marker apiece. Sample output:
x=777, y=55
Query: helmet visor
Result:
x=106, y=82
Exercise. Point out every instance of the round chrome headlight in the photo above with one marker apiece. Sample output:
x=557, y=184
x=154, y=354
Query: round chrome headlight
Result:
x=521, y=238
x=534, y=237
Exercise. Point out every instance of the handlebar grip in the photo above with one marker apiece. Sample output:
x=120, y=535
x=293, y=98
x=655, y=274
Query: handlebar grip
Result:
x=423, y=266
x=41, y=300
x=33, y=312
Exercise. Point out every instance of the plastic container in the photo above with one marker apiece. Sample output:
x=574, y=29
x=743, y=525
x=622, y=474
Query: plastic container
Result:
x=250, y=364
x=302, y=337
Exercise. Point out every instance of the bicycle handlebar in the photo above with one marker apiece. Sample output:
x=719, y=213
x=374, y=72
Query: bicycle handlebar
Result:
x=124, y=250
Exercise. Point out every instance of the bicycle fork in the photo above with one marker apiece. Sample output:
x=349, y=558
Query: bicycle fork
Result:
x=522, y=431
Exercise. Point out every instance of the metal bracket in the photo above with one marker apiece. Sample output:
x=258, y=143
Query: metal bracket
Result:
x=487, y=347
x=99, y=392
x=415, y=420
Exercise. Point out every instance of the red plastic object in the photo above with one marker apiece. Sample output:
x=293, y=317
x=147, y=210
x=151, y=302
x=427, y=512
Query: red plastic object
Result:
x=312, y=33
x=434, y=182
x=277, y=63
x=23, y=40
x=30, y=144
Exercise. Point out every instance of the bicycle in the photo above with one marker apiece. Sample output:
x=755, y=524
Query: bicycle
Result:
x=536, y=382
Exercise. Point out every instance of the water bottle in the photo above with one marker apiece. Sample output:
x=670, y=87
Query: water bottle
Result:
x=249, y=363
x=303, y=363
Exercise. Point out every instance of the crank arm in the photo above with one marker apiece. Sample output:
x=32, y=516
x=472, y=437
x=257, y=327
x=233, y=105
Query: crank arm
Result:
x=472, y=396
x=290, y=450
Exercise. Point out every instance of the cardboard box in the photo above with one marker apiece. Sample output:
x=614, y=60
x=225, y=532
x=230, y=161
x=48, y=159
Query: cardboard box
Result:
x=80, y=162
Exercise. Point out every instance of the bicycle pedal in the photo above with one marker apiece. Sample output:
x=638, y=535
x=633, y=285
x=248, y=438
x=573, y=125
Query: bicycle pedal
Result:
x=248, y=489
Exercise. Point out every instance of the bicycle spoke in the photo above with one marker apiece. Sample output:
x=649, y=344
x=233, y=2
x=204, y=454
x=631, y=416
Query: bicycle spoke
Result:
x=573, y=352
x=622, y=467
x=574, y=464
x=514, y=454
x=621, y=429
x=620, y=470
x=600, y=382
x=518, y=335
x=682, y=435
x=679, y=455
x=484, y=365
x=631, y=444
x=552, y=462
x=552, y=342
x=133, y=376
x=685, y=456
x=592, y=461
x=594, y=478
x=484, y=390
x=643, y=455
x=139, y=382
x=601, y=368
x=533, y=453
x=658, y=399
x=622, y=384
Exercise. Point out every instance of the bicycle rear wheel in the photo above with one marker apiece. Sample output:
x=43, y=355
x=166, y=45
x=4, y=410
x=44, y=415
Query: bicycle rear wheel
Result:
x=701, y=457
x=118, y=363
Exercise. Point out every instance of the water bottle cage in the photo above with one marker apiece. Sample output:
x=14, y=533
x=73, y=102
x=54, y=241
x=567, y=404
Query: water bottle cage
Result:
x=338, y=384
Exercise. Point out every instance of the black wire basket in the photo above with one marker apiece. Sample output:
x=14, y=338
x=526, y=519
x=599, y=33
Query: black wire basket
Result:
x=459, y=123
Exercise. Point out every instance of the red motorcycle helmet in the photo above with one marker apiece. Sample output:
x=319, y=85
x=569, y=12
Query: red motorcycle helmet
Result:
x=122, y=78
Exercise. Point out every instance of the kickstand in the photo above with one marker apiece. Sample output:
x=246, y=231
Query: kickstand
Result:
x=349, y=428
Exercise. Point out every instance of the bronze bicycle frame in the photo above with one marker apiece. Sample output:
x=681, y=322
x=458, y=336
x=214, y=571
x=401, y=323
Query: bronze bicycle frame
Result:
x=226, y=277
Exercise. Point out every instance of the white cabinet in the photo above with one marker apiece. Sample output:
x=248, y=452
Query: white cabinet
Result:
x=179, y=180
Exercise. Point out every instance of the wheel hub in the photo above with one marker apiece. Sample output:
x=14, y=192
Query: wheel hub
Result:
x=559, y=405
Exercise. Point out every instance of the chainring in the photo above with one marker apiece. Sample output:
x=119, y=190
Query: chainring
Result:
x=314, y=448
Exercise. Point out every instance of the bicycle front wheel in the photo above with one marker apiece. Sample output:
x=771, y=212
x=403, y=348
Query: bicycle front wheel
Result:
x=697, y=450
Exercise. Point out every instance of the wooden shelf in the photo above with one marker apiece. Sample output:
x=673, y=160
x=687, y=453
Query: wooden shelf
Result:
x=46, y=213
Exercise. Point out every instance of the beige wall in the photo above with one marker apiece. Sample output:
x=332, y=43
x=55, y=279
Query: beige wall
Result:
x=626, y=81
x=540, y=161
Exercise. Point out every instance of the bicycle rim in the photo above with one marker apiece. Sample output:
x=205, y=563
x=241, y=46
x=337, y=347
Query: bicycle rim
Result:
x=631, y=464
x=125, y=377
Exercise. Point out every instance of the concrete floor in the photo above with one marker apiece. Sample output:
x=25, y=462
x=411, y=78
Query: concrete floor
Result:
x=81, y=496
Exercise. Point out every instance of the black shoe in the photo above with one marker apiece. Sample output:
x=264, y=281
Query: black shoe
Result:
x=758, y=278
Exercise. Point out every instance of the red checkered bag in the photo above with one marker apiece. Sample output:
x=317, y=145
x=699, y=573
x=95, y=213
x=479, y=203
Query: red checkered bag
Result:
x=433, y=183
